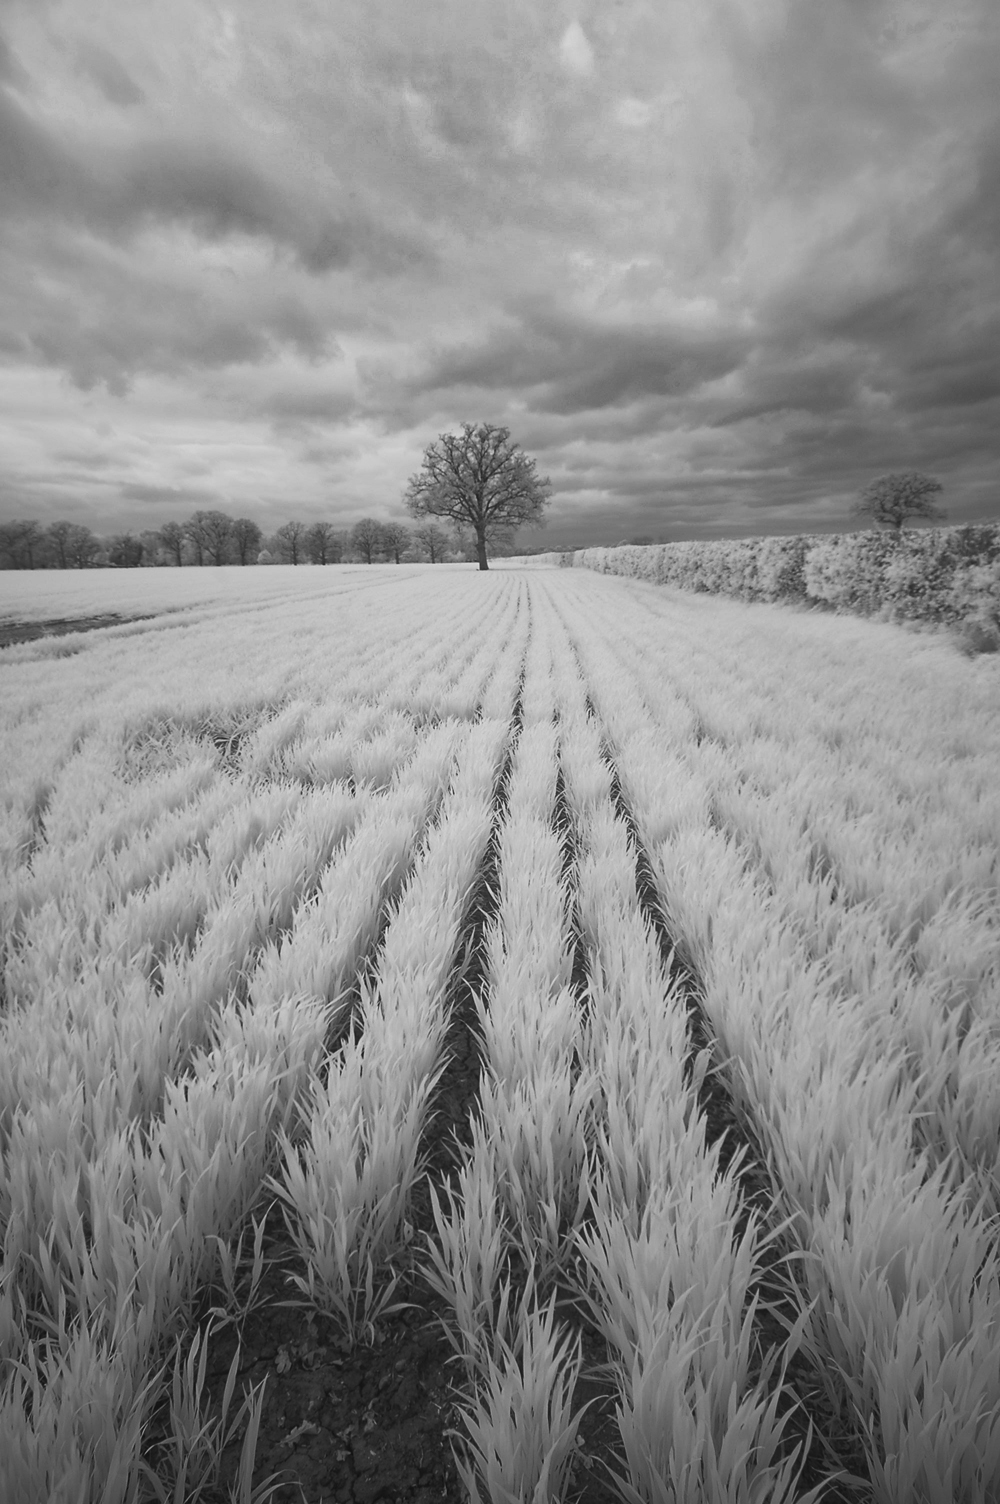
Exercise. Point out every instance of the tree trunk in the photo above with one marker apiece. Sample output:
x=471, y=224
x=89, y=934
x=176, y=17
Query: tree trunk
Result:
x=481, y=551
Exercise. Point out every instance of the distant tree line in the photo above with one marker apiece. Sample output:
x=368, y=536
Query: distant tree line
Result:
x=212, y=538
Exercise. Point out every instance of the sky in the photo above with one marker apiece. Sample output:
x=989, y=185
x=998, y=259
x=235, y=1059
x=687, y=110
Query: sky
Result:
x=714, y=265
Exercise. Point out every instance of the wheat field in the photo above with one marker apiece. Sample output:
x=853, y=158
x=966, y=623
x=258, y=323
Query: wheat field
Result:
x=718, y=863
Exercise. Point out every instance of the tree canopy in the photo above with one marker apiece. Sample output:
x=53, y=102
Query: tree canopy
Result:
x=433, y=540
x=291, y=540
x=478, y=479
x=366, y=538
x=324, y=544
x=246, y=536
x=890, y=500
x=395, y=540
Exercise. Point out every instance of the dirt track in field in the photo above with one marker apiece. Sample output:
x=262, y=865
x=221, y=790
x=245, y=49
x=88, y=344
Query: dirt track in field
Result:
x=12, y=632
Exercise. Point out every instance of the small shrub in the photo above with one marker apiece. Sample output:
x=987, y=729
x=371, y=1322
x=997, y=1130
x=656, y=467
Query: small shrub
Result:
x=975, y=637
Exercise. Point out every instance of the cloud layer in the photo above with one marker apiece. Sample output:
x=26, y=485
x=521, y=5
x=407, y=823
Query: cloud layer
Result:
x=714, y=266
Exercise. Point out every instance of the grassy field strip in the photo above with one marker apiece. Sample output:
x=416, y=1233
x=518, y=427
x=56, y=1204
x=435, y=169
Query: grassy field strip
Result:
x=322, y=954
x=367, y=738
x=77, y=898
x=518, y=1186
x=118, y=812
x=758, y=718
x=296, y=613
x=448, y=647
x=371, y=728
x=843, y=669
x=62, y=723
x=56, y=1041
x=911, y=852
x=87, y=1032
x=195, y=1173
x=917, y=944
x=72, y=865
x=935, y=987
x=79, y=1127
x=664, y=1271
x=898, y=1277
x=467, y=658
x=347, y=1179
x=533, y=1100
x=67, y=593
x=86, y=930
x=782, y=689
x=198, y=1177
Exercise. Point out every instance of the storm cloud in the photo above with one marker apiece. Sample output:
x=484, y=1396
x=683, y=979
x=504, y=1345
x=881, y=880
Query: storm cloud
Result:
x=714, y=266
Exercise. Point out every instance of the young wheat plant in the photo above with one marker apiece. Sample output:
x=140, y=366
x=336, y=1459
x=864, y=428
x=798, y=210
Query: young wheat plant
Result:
x=519, y=1426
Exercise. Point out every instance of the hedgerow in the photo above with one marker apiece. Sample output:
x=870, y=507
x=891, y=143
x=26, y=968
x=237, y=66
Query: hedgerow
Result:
x=946, y=575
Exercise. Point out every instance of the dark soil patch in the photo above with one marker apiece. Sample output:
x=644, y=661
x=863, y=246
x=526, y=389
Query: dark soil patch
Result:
x=374, y=1424
x=60, y=626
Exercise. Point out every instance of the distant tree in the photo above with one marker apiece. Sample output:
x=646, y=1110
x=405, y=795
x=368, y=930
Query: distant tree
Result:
x=32, y=545
x=152, y=549
x=194, y=532
x=10, y=545
x=22, y=544
x=324, y=544
x=124, y=551
x=82, y=547
x=433, y=540
x=480, y=480
x=246, y=539
x=891, y=500
x=366, y=538
x=213, y=532
x=171, y=536
x=291, y=540
x=58, y=534
x=395, y=540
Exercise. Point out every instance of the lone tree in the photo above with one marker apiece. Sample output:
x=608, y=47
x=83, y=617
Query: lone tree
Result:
x=480, y=480
x=891, y=500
